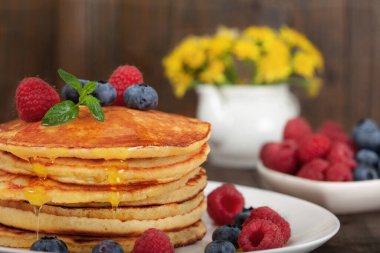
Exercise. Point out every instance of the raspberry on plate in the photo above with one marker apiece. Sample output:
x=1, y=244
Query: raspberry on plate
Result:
x=280, y=156
x=260, y=234
x=267, y=213
x=153, y=241
x=34, y=97
x=224, y=203
x=338, y=172
x=122, y=78
x=296, y=129
x=335, y=132
x=341, y=153
x=313, y=146
x=314, y=170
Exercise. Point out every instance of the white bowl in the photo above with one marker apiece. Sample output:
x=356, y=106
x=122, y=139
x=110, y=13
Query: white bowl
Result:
x=338, y=197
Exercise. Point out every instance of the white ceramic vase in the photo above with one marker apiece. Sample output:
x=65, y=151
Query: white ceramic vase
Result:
x=243, y=118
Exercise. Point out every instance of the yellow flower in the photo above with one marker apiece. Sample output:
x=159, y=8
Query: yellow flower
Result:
x=214, y=73
x=314, y=87
x=262, y=34
x=221, y=42
x=181, y=83
x=303, y=64
x=271, y=68
x=246, y=50
x=191, y=53
x=172, y=64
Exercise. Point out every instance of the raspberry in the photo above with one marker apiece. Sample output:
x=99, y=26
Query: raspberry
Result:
x=34, y=97
x=267, y=213
x=260, y=234
x=335, y=132
x=280, y=156
x=224, y=203
x=296, y=129
x=314, y=170
x=338, y=172
x=313, y=146
x=341, y=153
x=153, y=241
x=122, y=78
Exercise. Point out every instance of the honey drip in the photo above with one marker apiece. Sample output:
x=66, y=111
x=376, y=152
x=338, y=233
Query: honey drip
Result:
x=37, y=211
x=38, y=168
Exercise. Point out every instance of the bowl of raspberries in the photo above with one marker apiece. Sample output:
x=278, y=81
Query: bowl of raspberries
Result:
x=329, y=166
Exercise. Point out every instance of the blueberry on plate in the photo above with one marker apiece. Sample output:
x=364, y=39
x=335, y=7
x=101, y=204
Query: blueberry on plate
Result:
x=108, y=246
x=49, y=244
x=141, y=97
x=220, y=247
x=69, y=93
x=363, y=172
x=242, y=216
x=367, y=157
x=105, y=92
x=366, y=135
x=227, y=233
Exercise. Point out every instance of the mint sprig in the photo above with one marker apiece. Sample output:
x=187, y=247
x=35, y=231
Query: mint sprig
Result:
x=68, y=110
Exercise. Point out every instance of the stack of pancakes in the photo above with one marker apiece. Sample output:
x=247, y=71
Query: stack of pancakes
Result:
x=87, y=181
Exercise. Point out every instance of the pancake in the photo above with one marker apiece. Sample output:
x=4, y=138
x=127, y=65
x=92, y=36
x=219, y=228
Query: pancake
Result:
x=49, y=223
x=16, y=238
x=38, y=192
x=106, y=172
x=125, y=133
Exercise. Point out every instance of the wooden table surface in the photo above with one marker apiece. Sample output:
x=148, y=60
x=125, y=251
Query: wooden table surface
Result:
x=358, y=232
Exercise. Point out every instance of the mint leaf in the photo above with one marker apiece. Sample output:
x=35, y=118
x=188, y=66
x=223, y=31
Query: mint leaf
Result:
x=71, y=80
x=89, y=88
x=94, y=106
x=61, y=113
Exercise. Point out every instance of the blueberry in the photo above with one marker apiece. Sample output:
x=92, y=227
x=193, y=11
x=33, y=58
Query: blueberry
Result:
x=366, y=135
x=363, y=172
x=141, y=97
x=220, y=247
x=69, y=93
x=49, y=244
x=105, y=92
x=242, y=216
x=108, y=246
x=367, y=157
x=227, y=233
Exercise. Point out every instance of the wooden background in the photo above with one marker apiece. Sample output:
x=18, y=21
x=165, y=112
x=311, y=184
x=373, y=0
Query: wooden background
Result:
x=91, y=37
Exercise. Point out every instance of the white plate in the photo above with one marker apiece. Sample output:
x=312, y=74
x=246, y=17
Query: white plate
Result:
x=311, y=225
x=338, y=197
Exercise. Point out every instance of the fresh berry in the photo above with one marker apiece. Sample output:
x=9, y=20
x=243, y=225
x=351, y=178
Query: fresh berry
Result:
x=49, y=244
x=280, y=156
x=220, y=247
x=227, y=233
x=122, y=78
x=267, y=213
x=296, y=129
x=108, y=246
x=105, y=92
x=153, y=241
x=224, y=203
x=69, y=93
x=364, y=172
x=34, y=97
x=314, y=170
x=338, y=172
x=260, y=234
x=313, y=146
x=335, y=132
x=141, y=97
x=367, y=135
x=341, y=153
x=367, y=157
x=242, y=216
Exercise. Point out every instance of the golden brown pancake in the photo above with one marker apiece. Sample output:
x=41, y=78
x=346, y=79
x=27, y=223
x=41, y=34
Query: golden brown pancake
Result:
x=38, y=192
x=125, y=133
x=106, y=172
x=16, y=238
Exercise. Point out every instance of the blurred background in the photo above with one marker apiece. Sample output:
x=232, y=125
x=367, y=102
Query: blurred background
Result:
x=90, y=38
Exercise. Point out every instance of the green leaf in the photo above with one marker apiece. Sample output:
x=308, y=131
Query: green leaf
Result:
x=89, y=87
x=61, y=113
x=71, y=80
x=94, y=107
